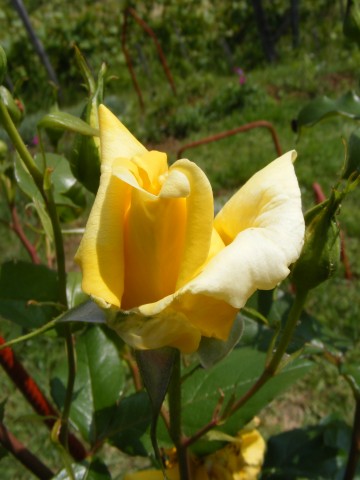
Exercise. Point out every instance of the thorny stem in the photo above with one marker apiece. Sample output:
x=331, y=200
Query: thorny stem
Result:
x=23, y=455
x=31, y=391
x=174, y=393
x=269, y=371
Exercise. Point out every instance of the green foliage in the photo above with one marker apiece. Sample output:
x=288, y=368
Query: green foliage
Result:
x=28, y=293
x=313, y=453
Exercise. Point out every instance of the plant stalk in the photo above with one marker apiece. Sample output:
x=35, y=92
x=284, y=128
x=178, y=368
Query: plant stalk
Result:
x=354, y=454
x=174, y=394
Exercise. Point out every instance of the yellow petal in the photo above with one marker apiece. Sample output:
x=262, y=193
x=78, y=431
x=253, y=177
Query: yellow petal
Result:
x=263, y=228
x=271, y=200
x=115, y=139
x=100, y=253
x=168, y=328
x=253, y=447
x=172, y=474
x=154, y=232
x=199, y=222
x=212, y=316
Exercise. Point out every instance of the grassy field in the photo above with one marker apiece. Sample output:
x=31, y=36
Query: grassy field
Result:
x=275, y=94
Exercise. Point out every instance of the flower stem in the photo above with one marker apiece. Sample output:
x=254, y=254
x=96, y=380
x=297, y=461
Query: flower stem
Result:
x=174, y=393
x=269, y=371
x=71, y=358
x=20, y=146
x=272, y=367
x=354, y=454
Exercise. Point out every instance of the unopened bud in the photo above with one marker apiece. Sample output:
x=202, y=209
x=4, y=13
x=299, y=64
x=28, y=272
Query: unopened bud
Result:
x=320, y=255
x=85, y=156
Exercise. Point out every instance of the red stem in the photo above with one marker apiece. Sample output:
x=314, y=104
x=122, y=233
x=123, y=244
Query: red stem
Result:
x=129, y=62
x=161, y=54
x=23, y=455
x=28, y=387
x=17, y=228
x=234, y=131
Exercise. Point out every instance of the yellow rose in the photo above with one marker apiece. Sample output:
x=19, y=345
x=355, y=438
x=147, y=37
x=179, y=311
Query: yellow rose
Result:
x=153, y=250
x=240, y=459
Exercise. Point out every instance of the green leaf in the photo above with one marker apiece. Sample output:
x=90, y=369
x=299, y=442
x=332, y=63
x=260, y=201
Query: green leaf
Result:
x=131, y=420
x=323, y=107
x=28, y=186
x=99, y=383
x=203, y=390
x=25, y=180
x=75, y=295
x=68, y=122
x=211, y=350
x=317, y=453
x=21, y=282
x=68, y=194
x=94, y=470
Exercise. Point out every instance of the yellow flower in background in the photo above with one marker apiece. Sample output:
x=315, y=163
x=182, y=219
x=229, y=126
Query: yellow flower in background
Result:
x=241, y=459
x=153, y=249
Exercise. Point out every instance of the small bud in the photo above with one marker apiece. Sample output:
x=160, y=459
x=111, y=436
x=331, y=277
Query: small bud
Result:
x=3, y=64
x=320, y=255
x=85, y=156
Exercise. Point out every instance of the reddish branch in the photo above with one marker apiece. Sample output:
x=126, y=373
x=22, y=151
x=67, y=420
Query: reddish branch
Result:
x=17, y=228
x=28, y=387
x=130, y=11
x=129, y=62
x=161, y=54
x=234, y=131
x=23, y=455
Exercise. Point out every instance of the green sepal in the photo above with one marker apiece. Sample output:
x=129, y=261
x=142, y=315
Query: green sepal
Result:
x=156, y=367
x=87, y=312
x=212, y=350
